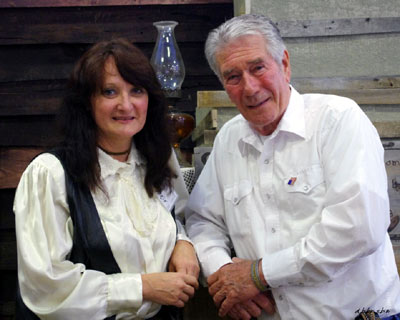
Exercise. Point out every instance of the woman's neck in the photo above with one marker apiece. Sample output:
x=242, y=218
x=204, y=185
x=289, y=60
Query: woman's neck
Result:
x=119, y=153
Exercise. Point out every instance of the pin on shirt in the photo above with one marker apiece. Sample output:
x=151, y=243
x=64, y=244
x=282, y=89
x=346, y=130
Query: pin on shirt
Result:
x=292, y=181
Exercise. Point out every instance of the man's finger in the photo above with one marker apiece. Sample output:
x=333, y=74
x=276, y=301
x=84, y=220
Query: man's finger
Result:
x=265, y=302
x=252, y=308
x=226, y=305
x=211, y=279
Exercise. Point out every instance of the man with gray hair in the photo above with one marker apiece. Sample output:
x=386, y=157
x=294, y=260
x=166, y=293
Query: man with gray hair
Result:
x=296, y=185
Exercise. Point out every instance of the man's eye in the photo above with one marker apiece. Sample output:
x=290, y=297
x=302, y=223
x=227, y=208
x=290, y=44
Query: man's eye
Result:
x=258, y=68
x=233, y=79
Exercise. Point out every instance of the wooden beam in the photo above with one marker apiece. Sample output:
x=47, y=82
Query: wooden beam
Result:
x=378, y=90
x=338, y=27
x=83, y=3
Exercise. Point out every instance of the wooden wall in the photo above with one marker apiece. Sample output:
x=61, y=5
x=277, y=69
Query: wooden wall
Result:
x=39, y=43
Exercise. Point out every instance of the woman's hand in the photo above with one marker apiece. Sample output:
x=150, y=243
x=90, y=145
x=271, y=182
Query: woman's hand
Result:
x=184, y=259
x=169, y=288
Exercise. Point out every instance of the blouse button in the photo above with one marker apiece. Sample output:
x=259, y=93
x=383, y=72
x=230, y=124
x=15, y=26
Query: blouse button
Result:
x=266, y=161
x=305, y=188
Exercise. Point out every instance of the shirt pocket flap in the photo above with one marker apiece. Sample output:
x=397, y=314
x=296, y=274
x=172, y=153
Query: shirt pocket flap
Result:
x=305, y=180
x=238, y=191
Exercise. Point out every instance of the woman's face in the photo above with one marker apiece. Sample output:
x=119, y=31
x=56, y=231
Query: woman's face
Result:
x=119, y=109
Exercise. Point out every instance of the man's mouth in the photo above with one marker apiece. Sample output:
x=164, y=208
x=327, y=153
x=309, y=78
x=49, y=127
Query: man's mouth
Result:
x=253, y=106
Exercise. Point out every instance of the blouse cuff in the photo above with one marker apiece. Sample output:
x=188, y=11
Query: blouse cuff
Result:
x=124, y=292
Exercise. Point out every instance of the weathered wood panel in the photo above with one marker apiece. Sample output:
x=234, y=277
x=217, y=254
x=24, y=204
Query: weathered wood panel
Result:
x=92, y=24
x=378, y=90
x=31, y=97
x=55, y=62
x=83, y=3
x=13, y=162
x=338, y=27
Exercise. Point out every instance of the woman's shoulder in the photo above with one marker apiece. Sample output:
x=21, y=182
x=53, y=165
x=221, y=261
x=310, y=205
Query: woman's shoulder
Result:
x=45, y=163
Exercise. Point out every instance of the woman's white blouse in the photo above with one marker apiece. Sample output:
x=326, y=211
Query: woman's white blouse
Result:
x=140, y=230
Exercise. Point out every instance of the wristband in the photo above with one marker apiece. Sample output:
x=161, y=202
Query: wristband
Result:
x=255, y=276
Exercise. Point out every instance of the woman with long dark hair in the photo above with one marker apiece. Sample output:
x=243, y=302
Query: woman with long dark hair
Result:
x=95, y=215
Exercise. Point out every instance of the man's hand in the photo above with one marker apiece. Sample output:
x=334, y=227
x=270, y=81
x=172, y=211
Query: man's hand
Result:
x=253, y=308
x=232, y=284
x=184, y=259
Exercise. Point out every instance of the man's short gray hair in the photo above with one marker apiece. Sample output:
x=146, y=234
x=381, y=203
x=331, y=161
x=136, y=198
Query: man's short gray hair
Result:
x=248, y=24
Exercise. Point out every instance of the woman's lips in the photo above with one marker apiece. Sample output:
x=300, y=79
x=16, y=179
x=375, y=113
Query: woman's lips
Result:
x=123, y=119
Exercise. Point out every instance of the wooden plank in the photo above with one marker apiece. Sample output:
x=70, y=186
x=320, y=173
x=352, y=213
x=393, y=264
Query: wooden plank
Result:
x=55, y=62
x=92, y=24
x=13, y=162
x=82, y=3
x=338, y=27
x=388, y=129
x=378, y=90
x=31, y=97
x=213, y=99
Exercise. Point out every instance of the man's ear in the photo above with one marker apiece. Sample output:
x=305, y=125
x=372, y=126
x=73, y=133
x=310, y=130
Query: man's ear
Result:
x=286, y=66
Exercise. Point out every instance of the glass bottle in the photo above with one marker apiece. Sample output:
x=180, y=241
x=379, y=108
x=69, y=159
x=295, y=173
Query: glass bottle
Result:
x=167, y=60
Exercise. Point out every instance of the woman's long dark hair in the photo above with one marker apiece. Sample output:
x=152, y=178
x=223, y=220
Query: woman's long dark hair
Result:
x=80, y=129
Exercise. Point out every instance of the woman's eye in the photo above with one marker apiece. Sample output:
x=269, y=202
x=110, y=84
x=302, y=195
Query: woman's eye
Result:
x=108, y=92
x=138, y=90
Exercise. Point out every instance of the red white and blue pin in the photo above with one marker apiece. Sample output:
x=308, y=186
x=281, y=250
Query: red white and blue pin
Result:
x=292, y=181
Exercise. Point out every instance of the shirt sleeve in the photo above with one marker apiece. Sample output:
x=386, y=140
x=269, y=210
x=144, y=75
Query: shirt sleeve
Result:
x=52, y=286
x=354, y=217
x=205, y=223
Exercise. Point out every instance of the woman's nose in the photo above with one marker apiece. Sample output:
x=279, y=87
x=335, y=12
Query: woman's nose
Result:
x=125, y=101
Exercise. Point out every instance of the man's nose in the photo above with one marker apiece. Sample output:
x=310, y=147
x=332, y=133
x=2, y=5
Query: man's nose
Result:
x=251, y=84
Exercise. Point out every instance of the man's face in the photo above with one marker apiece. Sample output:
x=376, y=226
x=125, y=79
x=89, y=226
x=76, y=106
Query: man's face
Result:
x=255, y=82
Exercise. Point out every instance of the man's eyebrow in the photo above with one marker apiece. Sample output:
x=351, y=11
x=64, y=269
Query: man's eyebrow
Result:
x=255, y=61
x=227, y=72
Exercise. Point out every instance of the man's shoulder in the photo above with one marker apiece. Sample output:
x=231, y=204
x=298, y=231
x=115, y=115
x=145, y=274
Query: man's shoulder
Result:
x=326, y=102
